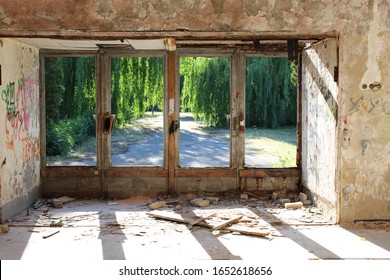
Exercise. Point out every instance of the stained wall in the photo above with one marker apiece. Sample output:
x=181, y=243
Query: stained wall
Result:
x=19, y=129
x=319, y=123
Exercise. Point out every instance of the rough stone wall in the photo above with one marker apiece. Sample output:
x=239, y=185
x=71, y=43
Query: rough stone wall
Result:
x=19, y=129
x=363, y=172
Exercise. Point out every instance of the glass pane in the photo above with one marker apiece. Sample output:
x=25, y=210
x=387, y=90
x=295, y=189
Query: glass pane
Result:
x=204, y=112
x=271, y=113
x=70, y=106
x=137, y=98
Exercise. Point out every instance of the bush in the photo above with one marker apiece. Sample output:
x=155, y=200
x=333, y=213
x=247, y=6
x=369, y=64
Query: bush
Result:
x=58, y=139
x=64, y=135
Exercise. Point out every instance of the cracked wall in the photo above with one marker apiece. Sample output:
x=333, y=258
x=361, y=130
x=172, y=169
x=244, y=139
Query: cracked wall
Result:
x=19, y=130
x=363, y=127
x=319, y=123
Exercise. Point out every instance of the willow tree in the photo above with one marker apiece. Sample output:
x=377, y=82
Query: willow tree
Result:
x=206, y=88
x=136, y=87
x=54, y=88
x=270, y=92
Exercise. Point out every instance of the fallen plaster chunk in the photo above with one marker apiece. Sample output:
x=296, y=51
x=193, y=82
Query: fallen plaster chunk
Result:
x=293, y=205
x=5, y=228
x=307, y=202
x=157, y=205
x=200, y=202
x=213, y=200
x=65, y=199
x=244, y=196
x=59, y=202
x=283, y=201
x=302, y=196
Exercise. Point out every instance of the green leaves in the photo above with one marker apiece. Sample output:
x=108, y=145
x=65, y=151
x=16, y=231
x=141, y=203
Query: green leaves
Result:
x=205, y=89
x=271, y=99
x=137, y=86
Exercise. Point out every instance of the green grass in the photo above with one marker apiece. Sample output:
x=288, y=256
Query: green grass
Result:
x=280, y=143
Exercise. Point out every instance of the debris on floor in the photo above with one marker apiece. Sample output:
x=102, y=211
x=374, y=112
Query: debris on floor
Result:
x=157, y=205
x=200, y=202
x=54, y=202
x=4, y=228
x=375, y=224
x=242, y=213
x=50, y=235
x=293, y=205
x=179, y=219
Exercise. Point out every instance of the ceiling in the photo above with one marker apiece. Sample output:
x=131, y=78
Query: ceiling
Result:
x=159, y=44
x=59, y=44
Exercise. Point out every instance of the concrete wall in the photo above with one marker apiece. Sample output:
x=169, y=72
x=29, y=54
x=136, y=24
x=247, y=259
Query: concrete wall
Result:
x=19, y=129
x=319, y=123
x=365, y=119
x=362, y=169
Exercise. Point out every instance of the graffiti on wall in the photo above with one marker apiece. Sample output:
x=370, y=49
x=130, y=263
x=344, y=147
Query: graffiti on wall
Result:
x=21, y=99
x=364, y=105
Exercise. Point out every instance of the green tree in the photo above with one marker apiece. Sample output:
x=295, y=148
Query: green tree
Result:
x=54, y=87
x=270, y=92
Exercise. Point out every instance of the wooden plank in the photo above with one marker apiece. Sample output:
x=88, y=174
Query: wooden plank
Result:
x=225, y=224
x=171, y=122
x=201, y=172
x=242, y=230
x=200, y=220
x=313, y=34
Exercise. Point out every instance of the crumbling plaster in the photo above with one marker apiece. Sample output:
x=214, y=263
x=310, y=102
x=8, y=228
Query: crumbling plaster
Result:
x=363, y=171
x=192, y=15
x=19, y=130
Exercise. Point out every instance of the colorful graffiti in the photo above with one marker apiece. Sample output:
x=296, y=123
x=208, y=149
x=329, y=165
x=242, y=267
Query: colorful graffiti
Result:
x=21, y=100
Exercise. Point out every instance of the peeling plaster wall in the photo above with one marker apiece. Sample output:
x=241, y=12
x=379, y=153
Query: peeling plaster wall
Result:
x=19, y=129
x=365, y=120
x=193, y=15
x=319, y=124
x=362, y=169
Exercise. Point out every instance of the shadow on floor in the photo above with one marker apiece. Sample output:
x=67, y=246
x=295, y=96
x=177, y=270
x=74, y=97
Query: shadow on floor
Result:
x=212, y=245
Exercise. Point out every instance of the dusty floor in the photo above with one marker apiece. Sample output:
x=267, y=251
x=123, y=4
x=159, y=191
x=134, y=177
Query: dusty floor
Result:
x=123, y=229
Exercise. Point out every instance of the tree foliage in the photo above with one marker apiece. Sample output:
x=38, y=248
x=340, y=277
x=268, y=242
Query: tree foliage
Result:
x=137, y=86
x=70, y=102
x=206, y=88
x=270, y=92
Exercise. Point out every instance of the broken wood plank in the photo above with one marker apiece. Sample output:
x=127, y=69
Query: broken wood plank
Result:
x=200, y=220
x=50, y=235
x=225, y=224
x=242, y=230
x=248, y=231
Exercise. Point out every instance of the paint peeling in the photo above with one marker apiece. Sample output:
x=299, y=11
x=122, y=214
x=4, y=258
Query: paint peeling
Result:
x=3, y=14
x=376, y=45
x=105, y=8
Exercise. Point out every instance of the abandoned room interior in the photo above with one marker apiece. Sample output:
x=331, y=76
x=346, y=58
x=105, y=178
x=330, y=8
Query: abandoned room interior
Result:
x=195, y=129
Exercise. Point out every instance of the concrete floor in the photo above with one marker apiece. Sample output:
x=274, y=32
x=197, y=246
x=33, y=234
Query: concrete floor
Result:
x=121, y=230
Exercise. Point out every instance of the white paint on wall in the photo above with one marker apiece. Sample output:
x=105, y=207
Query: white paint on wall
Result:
x=19, y=120
x=375, y=47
